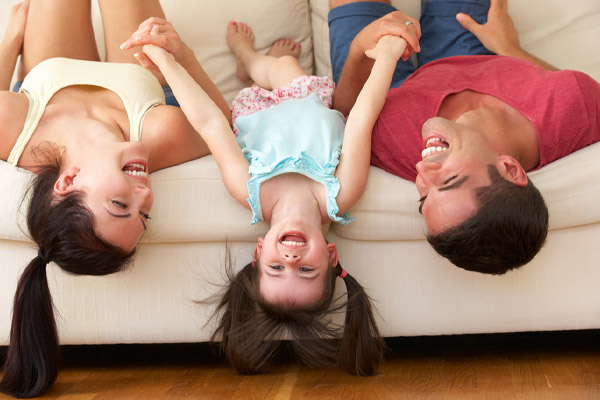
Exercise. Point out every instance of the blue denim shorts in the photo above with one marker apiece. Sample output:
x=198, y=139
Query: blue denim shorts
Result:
x=441, y=34
x=170, y=99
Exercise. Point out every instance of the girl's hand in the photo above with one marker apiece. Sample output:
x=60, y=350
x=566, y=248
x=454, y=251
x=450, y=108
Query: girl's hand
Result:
x=394, y=24
x=389, y=46
x=158, y=32
x=15, y=30
x=153, y=56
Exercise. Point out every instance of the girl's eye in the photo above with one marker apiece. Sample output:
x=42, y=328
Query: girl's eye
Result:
x=277, y=267
x=146, y=216
x=305, y=269
x=119, y=204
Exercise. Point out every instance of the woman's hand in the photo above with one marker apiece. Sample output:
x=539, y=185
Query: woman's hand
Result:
x=158, y=32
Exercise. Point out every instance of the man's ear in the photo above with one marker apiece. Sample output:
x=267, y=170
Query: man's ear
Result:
x=333, y=255
x=64, y=183
x=510, y=169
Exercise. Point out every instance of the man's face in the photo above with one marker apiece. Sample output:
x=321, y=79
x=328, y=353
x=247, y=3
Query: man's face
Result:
x=455, y=162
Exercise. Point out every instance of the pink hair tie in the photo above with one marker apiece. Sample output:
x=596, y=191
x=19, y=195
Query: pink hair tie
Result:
x=343, y=274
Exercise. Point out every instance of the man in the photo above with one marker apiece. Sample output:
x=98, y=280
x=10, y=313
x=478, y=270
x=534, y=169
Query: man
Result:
x=467, y=125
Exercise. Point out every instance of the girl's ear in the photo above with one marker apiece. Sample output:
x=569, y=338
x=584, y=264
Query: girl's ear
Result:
x=510, y=169
x=258, y=248
x=64, y=183
x=333, y=255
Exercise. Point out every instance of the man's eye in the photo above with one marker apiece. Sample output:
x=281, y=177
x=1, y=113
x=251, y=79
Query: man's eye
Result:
x=421, y=201
x=450, y=179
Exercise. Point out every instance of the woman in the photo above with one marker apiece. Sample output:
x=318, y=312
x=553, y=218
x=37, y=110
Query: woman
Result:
x=92, y=132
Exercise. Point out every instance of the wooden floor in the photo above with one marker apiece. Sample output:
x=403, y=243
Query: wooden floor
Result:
x=551, y=365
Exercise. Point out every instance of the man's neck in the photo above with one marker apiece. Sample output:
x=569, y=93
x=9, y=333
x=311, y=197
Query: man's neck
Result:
x=509, y=130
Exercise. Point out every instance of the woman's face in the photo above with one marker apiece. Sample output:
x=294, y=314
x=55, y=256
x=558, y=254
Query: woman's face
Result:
x=114, y=178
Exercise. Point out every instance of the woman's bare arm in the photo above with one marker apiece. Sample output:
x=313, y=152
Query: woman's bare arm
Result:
x=12, y=43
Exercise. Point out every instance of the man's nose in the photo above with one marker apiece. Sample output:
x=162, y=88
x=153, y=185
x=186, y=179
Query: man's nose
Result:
x=427, y=172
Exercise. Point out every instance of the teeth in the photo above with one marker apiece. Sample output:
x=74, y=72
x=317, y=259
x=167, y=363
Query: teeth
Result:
x=137, y=173
x=291, y=243
x=136, y=166
x=433, y=139
x=431, y=150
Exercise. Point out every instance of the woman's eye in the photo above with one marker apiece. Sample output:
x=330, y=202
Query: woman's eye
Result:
x=119, y=204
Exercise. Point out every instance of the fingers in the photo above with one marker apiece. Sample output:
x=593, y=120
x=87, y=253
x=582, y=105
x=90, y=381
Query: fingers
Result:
x=395, y=24
x=144, y=60
x=147, y=25
x=151, y=36
x=499, y=5
x=141, y=35
x=467, y=22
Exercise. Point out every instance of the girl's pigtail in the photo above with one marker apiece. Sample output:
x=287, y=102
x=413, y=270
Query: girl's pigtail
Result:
x=362, y=347
x=32, y=361
x=239, y=329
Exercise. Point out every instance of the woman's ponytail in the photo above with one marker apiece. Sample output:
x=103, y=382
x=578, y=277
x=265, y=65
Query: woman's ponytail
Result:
x=63, y=229
x=32, y=360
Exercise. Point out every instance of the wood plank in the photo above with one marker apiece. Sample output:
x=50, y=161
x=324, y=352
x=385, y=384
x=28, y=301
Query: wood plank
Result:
x=552, y=365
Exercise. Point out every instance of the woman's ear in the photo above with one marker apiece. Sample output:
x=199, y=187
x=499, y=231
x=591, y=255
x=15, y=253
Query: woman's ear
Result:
x=64, y=183
x=333, y=255
x=510, y=169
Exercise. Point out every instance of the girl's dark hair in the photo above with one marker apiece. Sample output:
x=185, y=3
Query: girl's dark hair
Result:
x=253, y=332
x=63, y=230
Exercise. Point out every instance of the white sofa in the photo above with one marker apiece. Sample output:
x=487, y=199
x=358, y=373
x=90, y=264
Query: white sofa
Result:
x=416, y=292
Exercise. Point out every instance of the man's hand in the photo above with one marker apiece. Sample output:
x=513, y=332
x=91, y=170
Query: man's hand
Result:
x=499, y=35
x=393, y=24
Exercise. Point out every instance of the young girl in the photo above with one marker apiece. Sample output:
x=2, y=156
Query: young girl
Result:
x=299, y=167
x=91, y=132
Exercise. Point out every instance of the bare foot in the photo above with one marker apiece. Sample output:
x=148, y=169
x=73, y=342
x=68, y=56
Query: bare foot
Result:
x=240, y=40
x=284, y=47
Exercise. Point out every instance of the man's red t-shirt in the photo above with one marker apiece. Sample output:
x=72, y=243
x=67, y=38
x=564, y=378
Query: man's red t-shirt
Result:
x=564, y=106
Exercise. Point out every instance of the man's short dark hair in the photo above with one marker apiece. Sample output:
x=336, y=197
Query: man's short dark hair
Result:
x=507, y=231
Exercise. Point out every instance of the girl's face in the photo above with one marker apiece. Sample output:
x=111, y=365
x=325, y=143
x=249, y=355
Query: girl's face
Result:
x=293, y=261
x=117, y=190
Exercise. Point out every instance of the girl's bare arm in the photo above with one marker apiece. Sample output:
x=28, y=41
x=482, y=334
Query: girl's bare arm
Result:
x=353, y=169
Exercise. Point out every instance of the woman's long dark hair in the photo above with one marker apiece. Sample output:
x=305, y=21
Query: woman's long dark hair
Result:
x=63, y=230
x=251, y=329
